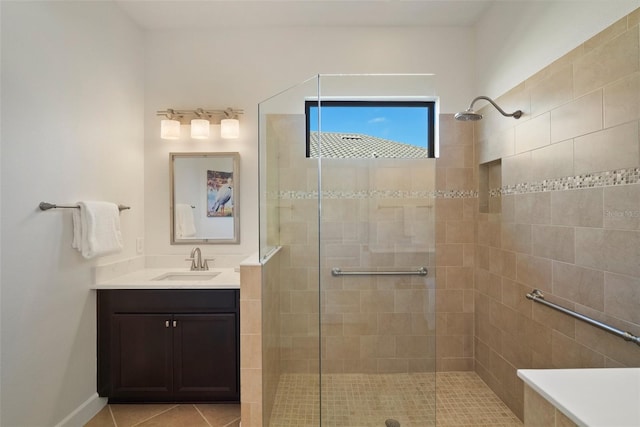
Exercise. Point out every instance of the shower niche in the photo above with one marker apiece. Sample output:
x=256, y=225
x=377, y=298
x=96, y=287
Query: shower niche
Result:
x=356, y=348
x=489, y=183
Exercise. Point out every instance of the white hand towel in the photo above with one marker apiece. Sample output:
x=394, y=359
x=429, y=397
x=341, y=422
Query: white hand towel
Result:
x=185, y=226
x=96, y=228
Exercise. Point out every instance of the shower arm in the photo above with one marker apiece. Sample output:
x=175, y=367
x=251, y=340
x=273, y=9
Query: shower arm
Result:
x=516, y=114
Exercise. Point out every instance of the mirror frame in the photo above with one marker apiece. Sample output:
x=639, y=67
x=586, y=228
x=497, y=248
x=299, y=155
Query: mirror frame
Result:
x=235, y=157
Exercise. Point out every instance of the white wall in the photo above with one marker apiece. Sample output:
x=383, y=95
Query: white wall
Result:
x=517, y=39
x=241, y=67
x=72, y=129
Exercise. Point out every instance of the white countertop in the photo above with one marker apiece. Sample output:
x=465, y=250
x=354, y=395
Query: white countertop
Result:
x=228, y=278
x=590, y=397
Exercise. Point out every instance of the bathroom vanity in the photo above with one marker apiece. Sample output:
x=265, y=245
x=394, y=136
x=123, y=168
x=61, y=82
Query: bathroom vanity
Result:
x=170, y=338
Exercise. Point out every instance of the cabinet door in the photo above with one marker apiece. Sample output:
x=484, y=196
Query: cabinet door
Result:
x=141, y=357
x=206, y=357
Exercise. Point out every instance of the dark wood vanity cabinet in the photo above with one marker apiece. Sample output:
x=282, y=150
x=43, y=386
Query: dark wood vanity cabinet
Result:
x=168, y=345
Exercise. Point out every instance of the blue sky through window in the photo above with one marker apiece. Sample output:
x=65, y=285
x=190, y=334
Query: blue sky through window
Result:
x=405, y=124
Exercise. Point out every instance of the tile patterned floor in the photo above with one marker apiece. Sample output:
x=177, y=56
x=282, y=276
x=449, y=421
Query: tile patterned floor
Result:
x=349, y=400
x=360, y=400
x=167, y=415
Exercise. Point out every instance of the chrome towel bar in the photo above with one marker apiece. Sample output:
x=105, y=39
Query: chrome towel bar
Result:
x=537, y=296
x=44, y=206
x=422, y=271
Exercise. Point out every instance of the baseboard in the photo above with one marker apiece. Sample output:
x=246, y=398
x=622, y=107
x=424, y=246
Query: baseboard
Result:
x=83, y=413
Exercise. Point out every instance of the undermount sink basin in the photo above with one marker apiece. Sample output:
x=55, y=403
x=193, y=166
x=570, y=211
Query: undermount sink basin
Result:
x=188, y=275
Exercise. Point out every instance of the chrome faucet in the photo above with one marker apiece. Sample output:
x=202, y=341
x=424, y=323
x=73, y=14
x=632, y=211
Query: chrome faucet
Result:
x=196, y=260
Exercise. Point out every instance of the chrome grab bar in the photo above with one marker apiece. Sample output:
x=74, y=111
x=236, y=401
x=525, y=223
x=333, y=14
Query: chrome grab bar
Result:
x=422, y=271
x=537, y=296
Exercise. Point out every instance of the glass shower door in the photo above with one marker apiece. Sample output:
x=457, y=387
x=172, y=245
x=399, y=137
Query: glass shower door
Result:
x=376, y=240
x=353, y=349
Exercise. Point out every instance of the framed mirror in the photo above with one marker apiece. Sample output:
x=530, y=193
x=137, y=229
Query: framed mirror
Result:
x=204, y=199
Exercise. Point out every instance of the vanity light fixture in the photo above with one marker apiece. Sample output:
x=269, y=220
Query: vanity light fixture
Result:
x=170, y=127
x=200, y=120
x=230, y=125
x=200, y=125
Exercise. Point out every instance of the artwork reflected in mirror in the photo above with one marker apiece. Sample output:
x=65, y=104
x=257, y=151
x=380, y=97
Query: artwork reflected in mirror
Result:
x=204, y=198
x=219, y=193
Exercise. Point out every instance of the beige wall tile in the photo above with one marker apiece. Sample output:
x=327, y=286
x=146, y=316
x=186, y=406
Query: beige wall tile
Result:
x=304, y=301
x=251, y=278
x=553, y=91
x=617, y=251
x=394, y=323
x=618, y=351
x=579, y=117
x=534, y=272
x=590, y=248
x=516, y=169
x=533, y=208
x=449, y=209
x=610, y=149
x=513, y=296
x=566, y=353
x=460, y=232
x=622, y=252
x=460, y=179
x=622, y=294
x=251, y=318
x=498, y=146
x=622, y=207
x=534, y=133
x=449, y=255
x=538, y=412
x=453, y=156
x=622, y=101
x=508, y=208
x=554, y=320
x=489, y=233
x=516, y=237
x=582, y=285
x=342, y=348
x=459, y=277
x=553, y=161
x=374, y=301
x=449, y=301
x=582, y=208
x=606, y=63
x=454, y=132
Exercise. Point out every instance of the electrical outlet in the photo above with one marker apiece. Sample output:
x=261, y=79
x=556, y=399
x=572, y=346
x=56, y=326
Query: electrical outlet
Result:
x=140, y=245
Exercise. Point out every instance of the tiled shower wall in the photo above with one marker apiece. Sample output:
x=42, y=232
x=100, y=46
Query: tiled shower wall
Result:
x=377, y=213
x=568, y=217
x=456, y=212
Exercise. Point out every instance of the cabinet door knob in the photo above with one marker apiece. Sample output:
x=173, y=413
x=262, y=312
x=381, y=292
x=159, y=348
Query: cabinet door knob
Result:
x=166, y=323
x=175, y=323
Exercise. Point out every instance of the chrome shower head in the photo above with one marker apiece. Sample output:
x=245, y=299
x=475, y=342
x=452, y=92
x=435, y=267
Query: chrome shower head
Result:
x=471, y=115
x=468, y=116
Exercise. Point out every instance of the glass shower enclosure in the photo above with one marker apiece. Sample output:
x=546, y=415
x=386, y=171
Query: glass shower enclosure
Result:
x=347, y=247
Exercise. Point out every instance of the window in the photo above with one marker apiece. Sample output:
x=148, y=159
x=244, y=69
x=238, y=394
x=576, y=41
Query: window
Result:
x=370, y=129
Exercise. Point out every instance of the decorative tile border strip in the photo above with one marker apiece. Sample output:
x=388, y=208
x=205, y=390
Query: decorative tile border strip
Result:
x=378, y=194
x=588, y=180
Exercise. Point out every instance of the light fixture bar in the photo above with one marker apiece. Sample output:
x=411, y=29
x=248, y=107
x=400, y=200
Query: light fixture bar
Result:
x=213, y=115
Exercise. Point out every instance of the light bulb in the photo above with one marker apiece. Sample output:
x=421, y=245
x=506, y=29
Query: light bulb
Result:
x=229, y=128
x=199, y=129
x=169, y=129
